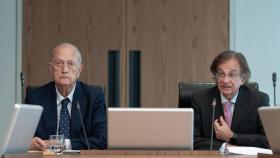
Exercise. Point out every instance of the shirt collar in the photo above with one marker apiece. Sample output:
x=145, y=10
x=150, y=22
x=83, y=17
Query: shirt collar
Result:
x=233, y=100
x=59, y=97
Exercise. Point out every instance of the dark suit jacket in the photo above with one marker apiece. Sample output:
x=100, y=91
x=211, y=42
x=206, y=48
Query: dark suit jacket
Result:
x=246, y=122
x=93, y=110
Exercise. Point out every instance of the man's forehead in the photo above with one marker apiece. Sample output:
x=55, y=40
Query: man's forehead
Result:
x=64, y=53
x=228, y=70
x=229, y=65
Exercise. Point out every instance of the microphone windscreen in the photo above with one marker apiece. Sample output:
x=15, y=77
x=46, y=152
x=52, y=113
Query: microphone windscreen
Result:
x=274, y=77
x=214, y=102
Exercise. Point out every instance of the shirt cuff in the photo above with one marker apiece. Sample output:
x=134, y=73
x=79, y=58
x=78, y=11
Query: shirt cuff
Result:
x=223, y=147
x=68, y=145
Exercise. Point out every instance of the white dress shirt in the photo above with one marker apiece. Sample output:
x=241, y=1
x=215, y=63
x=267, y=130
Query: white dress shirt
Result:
x=59, y=98
x=233, y=101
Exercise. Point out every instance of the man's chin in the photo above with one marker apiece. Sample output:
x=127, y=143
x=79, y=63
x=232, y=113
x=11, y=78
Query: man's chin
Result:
x=226, y=92
x=64, y=83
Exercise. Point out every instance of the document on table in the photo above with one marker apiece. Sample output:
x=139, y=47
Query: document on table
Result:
x=247, y=150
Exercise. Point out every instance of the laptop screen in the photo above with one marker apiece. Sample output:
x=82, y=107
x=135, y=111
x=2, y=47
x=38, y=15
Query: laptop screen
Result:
x=21, y=128
x=150, y=128
x=270, y=117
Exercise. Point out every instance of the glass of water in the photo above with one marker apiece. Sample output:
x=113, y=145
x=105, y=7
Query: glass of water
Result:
x=57, y=144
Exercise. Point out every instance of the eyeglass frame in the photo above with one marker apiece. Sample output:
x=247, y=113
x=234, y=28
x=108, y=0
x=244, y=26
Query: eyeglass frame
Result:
x=59, y=64
x=222, y=75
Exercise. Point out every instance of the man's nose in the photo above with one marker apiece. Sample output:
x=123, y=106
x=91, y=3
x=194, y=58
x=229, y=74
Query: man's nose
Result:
x=65, y=68
x=226, y=78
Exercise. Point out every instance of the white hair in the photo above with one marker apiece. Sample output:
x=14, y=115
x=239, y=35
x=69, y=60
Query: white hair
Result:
x=66, y=44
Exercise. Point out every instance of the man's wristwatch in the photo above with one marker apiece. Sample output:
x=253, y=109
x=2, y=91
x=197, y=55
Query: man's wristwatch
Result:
x=233, y=139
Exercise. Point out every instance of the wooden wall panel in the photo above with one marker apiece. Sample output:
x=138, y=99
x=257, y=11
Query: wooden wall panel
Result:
x=178, y=40
x=95, y=26
x=210, y=35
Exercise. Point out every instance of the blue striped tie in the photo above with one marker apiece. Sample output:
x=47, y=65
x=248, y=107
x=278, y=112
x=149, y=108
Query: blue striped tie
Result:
x=64, y=123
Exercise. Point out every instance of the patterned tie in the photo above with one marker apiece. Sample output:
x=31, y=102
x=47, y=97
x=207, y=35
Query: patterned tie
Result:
x=227, y=112
x=64, y=123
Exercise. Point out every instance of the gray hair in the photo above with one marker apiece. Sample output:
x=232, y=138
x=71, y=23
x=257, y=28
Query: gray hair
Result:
x=66, y=44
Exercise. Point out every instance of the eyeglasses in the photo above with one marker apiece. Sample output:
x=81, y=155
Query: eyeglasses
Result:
x=60, y=64
x=222, y=75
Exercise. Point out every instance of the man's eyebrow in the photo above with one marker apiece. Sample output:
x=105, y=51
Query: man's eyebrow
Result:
x=233, y=71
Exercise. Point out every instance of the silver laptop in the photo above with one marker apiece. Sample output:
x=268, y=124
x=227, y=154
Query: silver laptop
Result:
x=270, y=117
x=150, y=128
x=20, y=128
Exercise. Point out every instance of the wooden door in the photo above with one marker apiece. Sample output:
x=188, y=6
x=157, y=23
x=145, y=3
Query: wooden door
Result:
x=94, y=26
x=178, y=40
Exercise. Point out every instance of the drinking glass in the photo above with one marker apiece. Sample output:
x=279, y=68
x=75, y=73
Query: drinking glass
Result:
x=57, y=144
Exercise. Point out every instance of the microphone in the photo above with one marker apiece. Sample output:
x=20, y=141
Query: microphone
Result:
x=83, y=126
x=213, y=117
x=274, y=78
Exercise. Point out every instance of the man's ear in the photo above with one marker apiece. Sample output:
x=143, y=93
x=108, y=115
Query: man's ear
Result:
x=81, y=67
x=243, y=79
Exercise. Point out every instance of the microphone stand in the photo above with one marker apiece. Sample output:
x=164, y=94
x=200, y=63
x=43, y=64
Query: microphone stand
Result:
x=274, y=94
x=213, y=117
x=83, y=126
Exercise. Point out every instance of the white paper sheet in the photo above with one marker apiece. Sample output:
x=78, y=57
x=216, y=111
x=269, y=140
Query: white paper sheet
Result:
x=247, y=150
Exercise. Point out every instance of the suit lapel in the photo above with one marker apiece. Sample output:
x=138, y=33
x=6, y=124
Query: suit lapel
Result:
x=240, y=108
x=50, y=110
x=78, y=98
x=219, y=107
